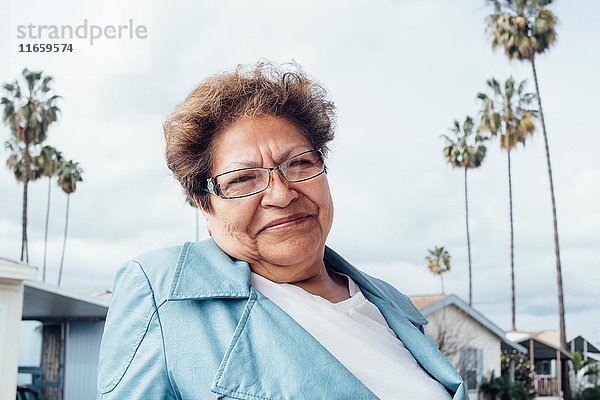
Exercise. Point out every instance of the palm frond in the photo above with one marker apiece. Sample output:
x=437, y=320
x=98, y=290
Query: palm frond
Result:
x=523, y=28
x=504, y=113
x=460, y=147
x=69, y=173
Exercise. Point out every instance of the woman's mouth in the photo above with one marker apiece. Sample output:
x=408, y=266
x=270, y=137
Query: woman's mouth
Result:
x=290, y=221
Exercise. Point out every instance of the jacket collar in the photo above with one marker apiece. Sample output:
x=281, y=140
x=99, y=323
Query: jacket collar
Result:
x=204, y=271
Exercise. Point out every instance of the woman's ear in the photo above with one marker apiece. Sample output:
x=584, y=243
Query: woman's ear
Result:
x=204, y=213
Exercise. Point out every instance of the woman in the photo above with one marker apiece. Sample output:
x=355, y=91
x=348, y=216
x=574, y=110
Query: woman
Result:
x=263, y=309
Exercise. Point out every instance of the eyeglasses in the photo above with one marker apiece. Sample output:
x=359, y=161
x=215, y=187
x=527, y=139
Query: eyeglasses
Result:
x=248, y=181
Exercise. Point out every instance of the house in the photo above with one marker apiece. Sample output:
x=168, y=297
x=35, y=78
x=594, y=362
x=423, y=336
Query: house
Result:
x=584, y=346
x=469, y=340
x=588, y=351
x=62, y=330
x=551, y=364
x=12, y=276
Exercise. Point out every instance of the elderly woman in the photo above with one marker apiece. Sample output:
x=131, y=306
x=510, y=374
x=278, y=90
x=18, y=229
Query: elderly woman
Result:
x=263, y=309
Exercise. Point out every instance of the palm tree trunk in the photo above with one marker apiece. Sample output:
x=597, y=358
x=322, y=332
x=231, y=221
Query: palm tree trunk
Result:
x=62, y=258
x=468, y=239
x=442, y=277
x=24, y=249
x=24, y=252
x=561, y=304
x=46, y=231
x=512, y=247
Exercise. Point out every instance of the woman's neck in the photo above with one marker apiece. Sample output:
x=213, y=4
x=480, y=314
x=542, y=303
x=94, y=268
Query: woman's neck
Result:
x=316, y=280
x=330, y=286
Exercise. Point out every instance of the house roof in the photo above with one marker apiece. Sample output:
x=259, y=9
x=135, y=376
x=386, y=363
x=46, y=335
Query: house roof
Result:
x=43, y=302
x=542, y=343
x=430, y=304
x=10, y=269
x=46, y=302
x=552, y=337
x=591, y=347
x=593, y=356
x=423, y=301
x=101, y=293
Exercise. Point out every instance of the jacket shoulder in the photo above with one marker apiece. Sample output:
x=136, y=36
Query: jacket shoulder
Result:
x=131, y=358
x=158, y=266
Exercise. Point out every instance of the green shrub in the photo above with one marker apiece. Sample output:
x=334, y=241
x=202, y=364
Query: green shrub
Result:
x=589, y=394
x=502, y=388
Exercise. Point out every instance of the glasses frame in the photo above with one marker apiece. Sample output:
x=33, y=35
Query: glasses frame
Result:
x=212, y=186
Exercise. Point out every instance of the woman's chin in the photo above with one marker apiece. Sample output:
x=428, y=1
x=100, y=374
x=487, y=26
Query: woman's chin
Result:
x=292, y=250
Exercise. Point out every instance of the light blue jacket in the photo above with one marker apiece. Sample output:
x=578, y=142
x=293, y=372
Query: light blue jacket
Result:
x=185, y=323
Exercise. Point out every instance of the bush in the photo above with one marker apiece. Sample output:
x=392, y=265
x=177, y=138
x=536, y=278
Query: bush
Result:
x=503, y=389
x=589, y=394
x=522, y=369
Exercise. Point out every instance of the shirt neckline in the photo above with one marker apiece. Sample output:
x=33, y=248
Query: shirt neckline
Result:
x=356, y=296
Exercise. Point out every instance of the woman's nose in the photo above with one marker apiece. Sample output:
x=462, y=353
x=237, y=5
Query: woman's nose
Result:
x=279, y=193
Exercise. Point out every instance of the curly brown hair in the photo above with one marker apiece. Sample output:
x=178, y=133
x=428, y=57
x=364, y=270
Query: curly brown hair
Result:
x=250, y=91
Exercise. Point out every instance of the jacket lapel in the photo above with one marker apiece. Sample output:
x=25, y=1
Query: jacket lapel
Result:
x=257, y=363
x=403, y=317
x=423, y=350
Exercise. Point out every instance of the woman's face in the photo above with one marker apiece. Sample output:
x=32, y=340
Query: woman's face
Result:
x=288, y=251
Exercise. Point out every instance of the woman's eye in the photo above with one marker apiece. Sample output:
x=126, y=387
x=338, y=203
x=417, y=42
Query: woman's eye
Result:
x=241, y=179
x=299, y=163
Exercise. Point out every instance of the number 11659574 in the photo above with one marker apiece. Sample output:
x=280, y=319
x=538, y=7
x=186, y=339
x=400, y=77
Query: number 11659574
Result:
x=45, y=48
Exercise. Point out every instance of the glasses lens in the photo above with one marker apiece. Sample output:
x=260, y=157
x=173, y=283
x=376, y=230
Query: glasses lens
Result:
x=253, y=180
x=303, y=166
x=244, y=182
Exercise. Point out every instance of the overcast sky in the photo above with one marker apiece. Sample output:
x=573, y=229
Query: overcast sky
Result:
x=399, y=72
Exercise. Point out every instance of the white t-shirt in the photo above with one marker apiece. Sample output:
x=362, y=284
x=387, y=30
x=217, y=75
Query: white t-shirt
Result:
x=355, y=332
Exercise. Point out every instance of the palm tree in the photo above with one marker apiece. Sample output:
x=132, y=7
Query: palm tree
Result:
x=438, y=262
x=582, y=367
x=462, y=152
x=68, y=176
x=28, y=115
x=16, y=162
x=49, y=161
x=505, y=114
x=193, y=204
x=525, y=28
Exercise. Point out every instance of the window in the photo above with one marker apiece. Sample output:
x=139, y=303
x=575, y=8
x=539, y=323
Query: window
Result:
x=471, y=367
x=543, y=367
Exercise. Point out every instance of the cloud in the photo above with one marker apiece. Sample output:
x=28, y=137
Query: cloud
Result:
x=400, y=73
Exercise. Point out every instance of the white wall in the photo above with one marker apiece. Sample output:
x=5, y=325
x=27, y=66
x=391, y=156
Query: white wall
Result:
x=30, y=348
x=11, y=305
x=462, y=330
x=30, y=344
